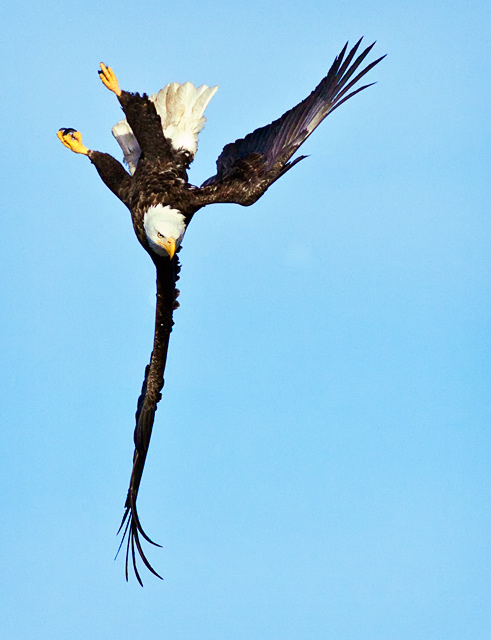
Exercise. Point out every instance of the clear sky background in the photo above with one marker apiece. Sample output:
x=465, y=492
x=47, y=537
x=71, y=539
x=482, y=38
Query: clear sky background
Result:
x=320, y=463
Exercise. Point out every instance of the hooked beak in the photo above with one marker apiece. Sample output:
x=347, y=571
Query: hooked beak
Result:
x=170, y=246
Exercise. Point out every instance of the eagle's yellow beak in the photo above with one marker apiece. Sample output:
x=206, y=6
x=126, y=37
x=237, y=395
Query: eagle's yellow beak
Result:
x=170, y=246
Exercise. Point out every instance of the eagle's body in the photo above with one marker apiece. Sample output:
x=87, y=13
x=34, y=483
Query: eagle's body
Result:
x=159, y=140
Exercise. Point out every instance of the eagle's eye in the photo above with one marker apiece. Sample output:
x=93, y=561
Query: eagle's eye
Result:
x=160, y=235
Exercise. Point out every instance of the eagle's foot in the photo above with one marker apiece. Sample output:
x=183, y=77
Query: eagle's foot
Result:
x=108, y=79
x=72, y=140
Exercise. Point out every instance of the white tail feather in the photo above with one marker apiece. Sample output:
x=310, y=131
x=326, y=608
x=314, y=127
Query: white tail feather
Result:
x=128, y=143
x=181, y=109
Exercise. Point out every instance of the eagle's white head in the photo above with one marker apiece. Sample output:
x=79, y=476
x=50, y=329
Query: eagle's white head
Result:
x=164, y=228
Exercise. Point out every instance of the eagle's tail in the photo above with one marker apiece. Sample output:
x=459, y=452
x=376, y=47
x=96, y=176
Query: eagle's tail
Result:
x=128, y=143
x=181, y=108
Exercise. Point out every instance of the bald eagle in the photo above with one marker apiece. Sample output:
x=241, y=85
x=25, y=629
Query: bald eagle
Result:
x=159, y=138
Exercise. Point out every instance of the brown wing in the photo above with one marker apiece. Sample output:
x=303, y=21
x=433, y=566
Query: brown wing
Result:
x=247, y=167
x=167, y=275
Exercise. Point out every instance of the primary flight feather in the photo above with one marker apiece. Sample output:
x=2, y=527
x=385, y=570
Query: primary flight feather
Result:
x=159, y=139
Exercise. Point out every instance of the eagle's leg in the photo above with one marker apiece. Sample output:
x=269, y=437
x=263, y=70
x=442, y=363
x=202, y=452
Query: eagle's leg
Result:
x=72, y=140
x=108, y=79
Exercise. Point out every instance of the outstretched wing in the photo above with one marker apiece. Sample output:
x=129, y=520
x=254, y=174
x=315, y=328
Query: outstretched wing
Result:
x=167, y=275
x=247, y=167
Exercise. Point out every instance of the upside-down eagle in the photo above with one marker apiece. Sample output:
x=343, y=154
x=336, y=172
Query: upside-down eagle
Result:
x=159, y=138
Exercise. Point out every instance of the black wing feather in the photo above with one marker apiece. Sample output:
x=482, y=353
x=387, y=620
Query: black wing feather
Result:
x=167, y=276
x=248, y=166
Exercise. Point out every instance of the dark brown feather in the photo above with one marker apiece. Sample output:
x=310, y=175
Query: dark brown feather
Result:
x=167, y=276
x=247, y=167
x=113, y=174
x=146, y=125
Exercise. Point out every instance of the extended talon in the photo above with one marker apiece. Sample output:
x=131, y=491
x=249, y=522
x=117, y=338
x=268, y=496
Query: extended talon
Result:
x=72, y=140
x=109, y=79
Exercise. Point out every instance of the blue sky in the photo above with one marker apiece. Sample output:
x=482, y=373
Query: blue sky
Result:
x=320, y=461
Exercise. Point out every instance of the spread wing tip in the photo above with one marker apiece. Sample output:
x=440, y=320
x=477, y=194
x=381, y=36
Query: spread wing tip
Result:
x=132, y=529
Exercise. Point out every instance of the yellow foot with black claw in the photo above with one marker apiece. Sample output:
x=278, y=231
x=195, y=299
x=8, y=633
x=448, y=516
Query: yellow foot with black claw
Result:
x=109, y=79
x=72, y=140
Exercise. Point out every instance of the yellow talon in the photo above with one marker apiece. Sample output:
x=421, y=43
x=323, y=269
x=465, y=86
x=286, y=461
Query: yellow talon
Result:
x=72, y=140
x=109, y=79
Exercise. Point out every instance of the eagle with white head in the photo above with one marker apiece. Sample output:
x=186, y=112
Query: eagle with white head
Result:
x=159, y=139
